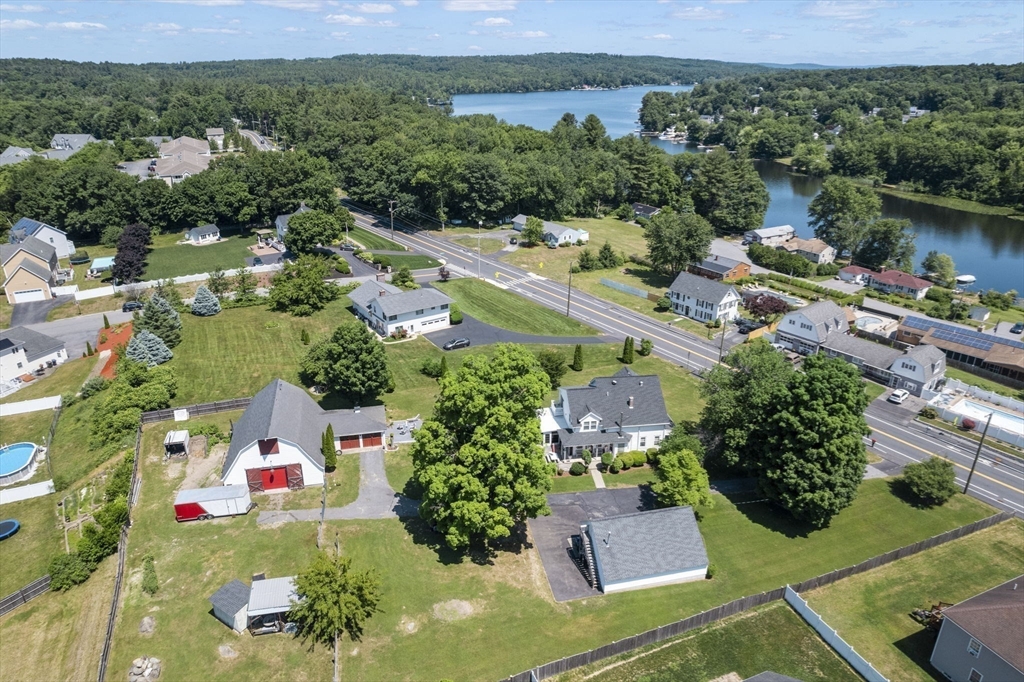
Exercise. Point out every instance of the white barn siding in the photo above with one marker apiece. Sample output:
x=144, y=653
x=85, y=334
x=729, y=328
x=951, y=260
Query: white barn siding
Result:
x=699, y=573
x=288, y=453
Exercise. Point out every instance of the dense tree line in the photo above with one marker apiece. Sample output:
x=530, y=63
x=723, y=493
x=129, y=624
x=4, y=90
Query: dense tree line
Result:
x=970, y=146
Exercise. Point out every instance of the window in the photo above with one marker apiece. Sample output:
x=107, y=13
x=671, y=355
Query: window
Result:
x=975, y=676
x=589, y=425
x=974, y=648
x=444, y=306
x=657, y=439
x=419, y=312
x=643, y=441
x=392, y=318
x=19, y=365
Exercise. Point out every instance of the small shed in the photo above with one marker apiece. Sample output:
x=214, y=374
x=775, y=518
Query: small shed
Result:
x=176, y=444
x=203, y=234
x=269, y=602
x=979, y=313
x=230, y=605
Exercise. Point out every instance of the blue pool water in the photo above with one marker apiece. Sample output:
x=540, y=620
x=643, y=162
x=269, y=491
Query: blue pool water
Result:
x=15, y=457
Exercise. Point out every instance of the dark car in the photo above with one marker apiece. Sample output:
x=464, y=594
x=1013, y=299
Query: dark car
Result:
x=257, y=261
x=513, y=240
x=131, y=306
x=748, y=326
x=1017, y=328
x=456, y=343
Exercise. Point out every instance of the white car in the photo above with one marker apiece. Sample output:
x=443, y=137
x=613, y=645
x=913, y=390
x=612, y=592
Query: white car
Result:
x=898, y=396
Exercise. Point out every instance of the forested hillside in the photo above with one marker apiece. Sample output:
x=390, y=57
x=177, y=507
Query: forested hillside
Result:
x=969, y=145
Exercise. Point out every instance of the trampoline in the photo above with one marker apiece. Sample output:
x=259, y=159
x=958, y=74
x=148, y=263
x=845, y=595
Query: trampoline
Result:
x=8, y=527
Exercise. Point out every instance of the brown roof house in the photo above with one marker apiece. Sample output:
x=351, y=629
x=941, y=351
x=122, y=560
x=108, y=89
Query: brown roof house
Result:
x=813, y=250
x=30, y=270
x=982, y=639
x=720, y=268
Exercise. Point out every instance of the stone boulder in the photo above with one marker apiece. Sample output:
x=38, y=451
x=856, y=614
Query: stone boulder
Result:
x=144, y=669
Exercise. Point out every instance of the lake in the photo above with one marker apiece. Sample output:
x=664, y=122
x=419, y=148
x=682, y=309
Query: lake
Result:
x=989, y=247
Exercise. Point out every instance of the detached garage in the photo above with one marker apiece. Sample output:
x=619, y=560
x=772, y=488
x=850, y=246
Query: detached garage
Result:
x=276, y=443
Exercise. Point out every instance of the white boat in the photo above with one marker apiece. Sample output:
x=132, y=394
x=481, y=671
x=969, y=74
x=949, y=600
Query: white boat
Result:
x=966, y=279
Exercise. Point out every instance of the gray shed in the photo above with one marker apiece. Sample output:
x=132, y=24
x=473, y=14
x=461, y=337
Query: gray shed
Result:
x=230, y=605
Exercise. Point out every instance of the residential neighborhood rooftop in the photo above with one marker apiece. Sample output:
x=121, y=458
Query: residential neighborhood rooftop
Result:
x=776, y=231
x=701, y=288
x=609, y=398
x=35, y=343
x=271, y=595
x=808, y=245
x=900, y=278
x=996, y=619
x=36, y=247
x=874, y=354
x=719, y=264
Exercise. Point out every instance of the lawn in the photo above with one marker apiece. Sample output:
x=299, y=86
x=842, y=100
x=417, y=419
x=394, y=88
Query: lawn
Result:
x=872, y=610
x=873, y=390
x=413, y=262
x=507, y=310
x=373, y=241
x=398, y=465
x=67, y=378
x=567, y=483
x=70, y=454
x=630, y=477
x=103, y=304
x=342, y=488
x=27, y=553
x=32, y=427
x=981, y=382
x=625, y=238
x=168, y=259
x=772, y=637
x=487, y=244
x=6, y=310
x=753, y=547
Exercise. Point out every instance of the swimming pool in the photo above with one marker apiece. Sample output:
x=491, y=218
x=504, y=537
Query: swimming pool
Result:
x=1000, y=418
x=867, y=321
x=15, y=461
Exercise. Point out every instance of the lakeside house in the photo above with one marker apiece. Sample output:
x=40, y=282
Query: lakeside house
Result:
x=806, y=329
x=703, y=299
x=966, y=348
x=814, y=250
x=899, y=282
x=721, y=268
x=770, y=236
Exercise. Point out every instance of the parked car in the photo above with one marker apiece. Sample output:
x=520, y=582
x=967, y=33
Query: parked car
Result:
x=131, y=306
x=513, y=240
x=779, y=347
x=456, y=343
x=257, y=261
x=1017, y=328
x=347, y=247
x=898, y=396
x=747, y=326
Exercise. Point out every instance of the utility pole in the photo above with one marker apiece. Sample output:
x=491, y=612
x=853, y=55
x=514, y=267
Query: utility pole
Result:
x=721, y=346
x=978, y=453
x=568, y=294
x=391, y=209
x=479, y=227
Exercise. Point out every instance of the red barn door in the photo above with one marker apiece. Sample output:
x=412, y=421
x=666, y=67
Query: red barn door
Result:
x=274, y=478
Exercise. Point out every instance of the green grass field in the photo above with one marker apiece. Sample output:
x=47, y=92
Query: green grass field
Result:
x=414, y=262
x=554, y=263
x=487, y=244
x=872, y=610
x=372, y=241
x=68, y=377
x=772, y=637
x=507, y=310
x=169, y=259
x=27, y=553
x=873, y=390
x=32, y=427
x=981, y=382
x=754, y=548
x=70, y=454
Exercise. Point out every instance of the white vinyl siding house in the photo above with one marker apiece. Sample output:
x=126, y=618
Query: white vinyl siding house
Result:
x=203, y=234
x=24, y=350
x=554, y=234
x=387, y=309
x=48, y=234
x=806, y=329
x=770, y=236
x=703, y=299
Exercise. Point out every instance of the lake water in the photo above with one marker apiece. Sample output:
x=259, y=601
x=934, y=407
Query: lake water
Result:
x=989, y=247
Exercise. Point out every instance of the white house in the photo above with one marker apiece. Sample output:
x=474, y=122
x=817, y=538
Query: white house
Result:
x=48, y=234
x=204, y=234
x=215, y=136
x=23, y=350
x=704, y=299
x=770, y=236
x=899, y=282
x=620, y=413
x=554, y=234
x=643, y=549
x=388, y=309
x=806, y=329
x=813, y=250
x=855, y=274
x=919, y=368
x=282, y=220
x=275, y=444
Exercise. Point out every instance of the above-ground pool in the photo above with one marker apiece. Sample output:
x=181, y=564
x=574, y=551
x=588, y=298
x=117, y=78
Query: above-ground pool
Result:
x=866, y=321
x=15, y=462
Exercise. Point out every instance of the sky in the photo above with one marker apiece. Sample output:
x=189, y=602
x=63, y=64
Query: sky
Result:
x=830, y=32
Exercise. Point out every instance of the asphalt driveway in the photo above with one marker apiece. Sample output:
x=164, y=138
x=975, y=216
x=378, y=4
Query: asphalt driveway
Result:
x=75, y=331
x=481, y=334
x=24, y=314
x=551, y=534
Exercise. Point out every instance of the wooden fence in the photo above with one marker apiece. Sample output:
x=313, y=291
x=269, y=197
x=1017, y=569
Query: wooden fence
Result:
x=739, y=605
x=197, y=410
x=24, y=595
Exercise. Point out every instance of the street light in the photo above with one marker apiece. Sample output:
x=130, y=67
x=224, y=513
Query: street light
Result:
x=568, y=295
x=978, y=453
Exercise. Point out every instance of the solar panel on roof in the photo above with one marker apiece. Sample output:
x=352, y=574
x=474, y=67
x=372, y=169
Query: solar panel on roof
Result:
x=964, y=337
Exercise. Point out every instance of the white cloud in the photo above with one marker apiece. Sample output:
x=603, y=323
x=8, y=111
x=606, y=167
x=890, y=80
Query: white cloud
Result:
x=997, y=37
x=699, y=14
x=167, y=29
x=21, y=8
x=349, y=20
x=835, y=9
x=474, y=32
x=235, y=21
x=293, y=29
x=16, y=24
x=728, y=2
x=205, y=3
x=372, y=8
x=524, y=34
x=339, y=34
x=434, y=36
x=409, y=3
x=76, y=26
x=659, y=36
x=299, y=5
x=479, y=5
x=474, y=48
x=493, y=21
x=225, y=31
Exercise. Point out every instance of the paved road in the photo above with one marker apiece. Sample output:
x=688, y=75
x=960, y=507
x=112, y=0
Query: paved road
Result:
x=254, y=137
x=24, y=314
x=999, y=482
x=480, y=334
x=75, y=331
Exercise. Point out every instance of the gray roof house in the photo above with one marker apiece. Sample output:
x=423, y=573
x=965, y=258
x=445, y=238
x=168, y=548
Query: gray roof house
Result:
x=48, y=234
x=919, y=368
x=282, y=220
x=770, y=236
x=554, y=234
x=32, y=245
x=644, y=549
x=703, y=299
x=805, y=329
x=981, y=638
x=37, y=345
x=644, y=210
x=71, y=141
x=15, y=155
x=203, y=234
x=386, y=308
x=620, y=413
x=230, y=605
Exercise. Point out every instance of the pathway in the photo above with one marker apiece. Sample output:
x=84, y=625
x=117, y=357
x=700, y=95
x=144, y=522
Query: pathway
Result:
x=377, y=500
x=598, y=478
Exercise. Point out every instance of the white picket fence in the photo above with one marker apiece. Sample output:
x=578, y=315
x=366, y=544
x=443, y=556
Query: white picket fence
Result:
x=987, y=396
x=856, y=661
x=99, y=292
x=26, y=406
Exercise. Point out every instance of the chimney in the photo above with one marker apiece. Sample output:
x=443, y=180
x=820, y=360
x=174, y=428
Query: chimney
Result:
x=381, y=292
x=630, y=402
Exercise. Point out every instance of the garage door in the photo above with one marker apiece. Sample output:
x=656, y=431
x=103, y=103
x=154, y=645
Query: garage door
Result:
x=274, y=478
x=371, y=440
x=349, y=442
x=28, y=295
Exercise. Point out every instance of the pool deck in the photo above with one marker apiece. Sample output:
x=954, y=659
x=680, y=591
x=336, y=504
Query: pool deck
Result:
x=26, y=492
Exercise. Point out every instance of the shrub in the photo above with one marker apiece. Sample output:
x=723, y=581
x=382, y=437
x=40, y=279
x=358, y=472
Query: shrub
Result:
x=664, y=303
x=106, y=322
x=304, y=337
x=932, y=481
x=616, y=466
x=639, y=458
x=928, y=413
x=454, y=314
x=383, y=261
x=578, y=469
x=431, y=367
x=587, y=457
x=828, y=270
x=88, y=349
x=92, y=387
x=212, y=432
x=67, y=570
x=68, y=399
x=968, y=424
x=646, y=346
x=652, y=456
x=712, y=569
x=607, y=459
x=149, y=581
x=625, y=461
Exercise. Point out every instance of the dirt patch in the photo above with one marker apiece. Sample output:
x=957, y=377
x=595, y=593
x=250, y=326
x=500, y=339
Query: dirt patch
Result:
x=202, y=472
x=226, y=652
x=408, y=626
x=173, y=470
x=453, y=609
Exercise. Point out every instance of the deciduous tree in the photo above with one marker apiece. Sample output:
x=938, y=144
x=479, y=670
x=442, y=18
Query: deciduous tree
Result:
x=300, y=288
x=308, y=230
x=674, y=240
x=932, y=481
x=351, y=362
x=533, y=231
x=682, y=481
x=941, y=267
x=841, y=213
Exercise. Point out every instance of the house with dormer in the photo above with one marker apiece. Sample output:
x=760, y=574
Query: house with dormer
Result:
x=805, y=330
x=703, y=299
x=48, y=234
x=31, y=270
x=620, y=413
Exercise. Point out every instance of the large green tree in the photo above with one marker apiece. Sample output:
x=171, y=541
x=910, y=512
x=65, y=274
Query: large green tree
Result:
x=889, y=243
x=334, y=599
x=681, y=481
x=675, y=240
x=842, y=212
x=941, y=267
x=300, y=287
x=807, y=445
x=728, y=192
x=478, y=459
x=533, y=231
x=159, y=318
x=351, y=362
x=308, y=230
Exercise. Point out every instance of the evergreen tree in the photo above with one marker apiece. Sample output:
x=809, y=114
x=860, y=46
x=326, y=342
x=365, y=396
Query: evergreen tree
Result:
x=330, y=455
x=444, y=366
x=205, y=304
x=304, y=336
x=161, y=319
x=106, y=322
x=148, y=349
x=607, y=258
x=628, y=351
x=218, y=283
x=577, y=358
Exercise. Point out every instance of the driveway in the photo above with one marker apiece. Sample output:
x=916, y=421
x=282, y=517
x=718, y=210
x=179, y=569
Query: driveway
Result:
x=24, y=314
x=481, y=334
x=727, y=249
x=75, y=331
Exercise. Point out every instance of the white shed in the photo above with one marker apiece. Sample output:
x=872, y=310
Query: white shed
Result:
x=230, y=605
x=269, y=601
x=176, y=444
